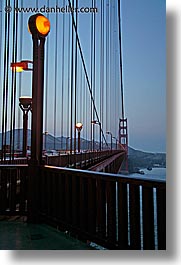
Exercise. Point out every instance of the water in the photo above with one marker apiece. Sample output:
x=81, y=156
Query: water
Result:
x=158, y=173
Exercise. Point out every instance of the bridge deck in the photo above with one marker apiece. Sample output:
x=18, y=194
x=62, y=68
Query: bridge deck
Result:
x=19, y=235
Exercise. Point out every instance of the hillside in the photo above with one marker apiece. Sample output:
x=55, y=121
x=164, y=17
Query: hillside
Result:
x=140, y=159
x=137, y=159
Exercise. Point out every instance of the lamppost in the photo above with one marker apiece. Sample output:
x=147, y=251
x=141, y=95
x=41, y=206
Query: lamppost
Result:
x=25, y=104
x=97, y=122
x=67, y=143
x=45, y=139
x=116, y=142
x=111, y=138
x=79, y=127
x=23, y=101
x=39, y=27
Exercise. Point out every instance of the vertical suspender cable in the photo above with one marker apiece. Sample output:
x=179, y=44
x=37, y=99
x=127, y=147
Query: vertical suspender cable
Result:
x=111, y=62
x=62, y=96
x=75, y=88
x=15, y=79
x=4, y=87
x=120, y=52
x=55, y=77
x=85, y=70
x=72, y=67
x=20, y=76
x=13, y=83
x=102, y=64
x=46, y=88
x=94, y=71
x=91, y=74
x=1, y=6
x=6, y=80
x=107, y=61
x=69, y=84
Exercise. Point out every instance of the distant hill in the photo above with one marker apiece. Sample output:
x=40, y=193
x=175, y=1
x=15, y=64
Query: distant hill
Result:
x=58, y=143
x=137, y=159
x=140, y=159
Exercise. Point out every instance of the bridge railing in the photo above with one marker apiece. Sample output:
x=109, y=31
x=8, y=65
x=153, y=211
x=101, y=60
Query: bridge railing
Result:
x=16, y=161
x=117, y=212
x=114, y=211
x=79, y=159
x=13, y=189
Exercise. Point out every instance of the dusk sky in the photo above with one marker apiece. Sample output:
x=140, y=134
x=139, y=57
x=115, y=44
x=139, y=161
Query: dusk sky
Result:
x=144, y=52
x=144, y=70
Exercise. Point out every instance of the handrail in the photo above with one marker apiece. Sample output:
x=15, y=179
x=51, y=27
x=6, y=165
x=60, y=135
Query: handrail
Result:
x=141, y=179
x=95, y=206
x=13, y=189
x=104, y=208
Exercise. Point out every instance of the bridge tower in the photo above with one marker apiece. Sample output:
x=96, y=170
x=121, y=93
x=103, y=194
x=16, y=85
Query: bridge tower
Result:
x=123, y=140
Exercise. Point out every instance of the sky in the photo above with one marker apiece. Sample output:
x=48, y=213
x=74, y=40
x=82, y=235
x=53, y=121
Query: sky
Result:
x=144, y=71
x=144, y=57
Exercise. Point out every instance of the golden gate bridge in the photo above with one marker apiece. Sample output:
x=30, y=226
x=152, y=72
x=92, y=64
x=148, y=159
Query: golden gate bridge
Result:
x=73, y=88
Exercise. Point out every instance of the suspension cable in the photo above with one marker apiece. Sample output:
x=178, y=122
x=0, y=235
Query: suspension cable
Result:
x=85, y=69
x=46, y=88
x=62, y=96
x=55, y=76
x=75, y=80
x=72, y=66
x=120, y=52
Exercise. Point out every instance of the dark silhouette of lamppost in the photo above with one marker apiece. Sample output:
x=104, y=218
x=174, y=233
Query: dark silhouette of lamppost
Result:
x=25, y=104
x=39, y=27
x=97, y=122
x=20, y=67
x=116, y=142
x=68, y=138
x=111, y=138
x=45, y=139
x=79, y=127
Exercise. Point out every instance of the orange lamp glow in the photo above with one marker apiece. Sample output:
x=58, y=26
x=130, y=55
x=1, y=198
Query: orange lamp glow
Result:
x=17, y=69
x=79, y=126
x=21, y=66
x=43, y=25
x=18, y=66
x=39, y=25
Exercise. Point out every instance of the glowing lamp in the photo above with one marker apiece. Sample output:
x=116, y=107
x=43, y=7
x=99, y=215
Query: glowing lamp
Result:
x=18, y=67
x=39, y=25
x=79, y=126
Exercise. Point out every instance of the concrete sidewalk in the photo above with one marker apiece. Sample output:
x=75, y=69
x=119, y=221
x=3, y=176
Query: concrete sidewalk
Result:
x=19, y=235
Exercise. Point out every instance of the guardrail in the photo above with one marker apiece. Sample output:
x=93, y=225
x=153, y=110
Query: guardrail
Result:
x=16, y=161
x=13, y=189
x=83, y=159
x=114, y=211
x=117, y=212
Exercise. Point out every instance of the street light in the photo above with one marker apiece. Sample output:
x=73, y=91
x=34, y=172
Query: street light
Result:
x=21, y=66
x=116, y=142
x=67, y=143
x=79, y=127
x=45, y=133
x=111, y=138
x=97, y=122
x=39, y=27
x=25, y=104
